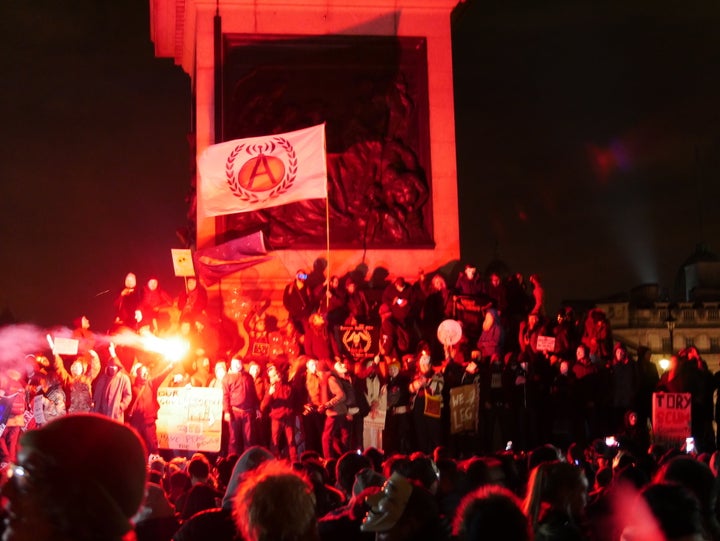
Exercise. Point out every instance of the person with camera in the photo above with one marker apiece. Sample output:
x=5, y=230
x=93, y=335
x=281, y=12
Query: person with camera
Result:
x=299, y=300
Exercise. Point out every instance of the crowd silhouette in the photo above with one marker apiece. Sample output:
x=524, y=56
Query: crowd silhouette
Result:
x=337, y=414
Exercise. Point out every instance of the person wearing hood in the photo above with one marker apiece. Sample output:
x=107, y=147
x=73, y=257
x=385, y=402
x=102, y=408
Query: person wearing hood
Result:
x=624, y=387
x=113, y=391
x=217, y=524
x=142, y=412
x=403, y=510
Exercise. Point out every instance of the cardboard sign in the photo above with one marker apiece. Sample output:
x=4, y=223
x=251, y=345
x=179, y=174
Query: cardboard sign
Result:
x=546, y=343
x=190, y=418
x=37, y=409
x=464, y=408
x=182, y=262
x=66, y=346
x=671, y=419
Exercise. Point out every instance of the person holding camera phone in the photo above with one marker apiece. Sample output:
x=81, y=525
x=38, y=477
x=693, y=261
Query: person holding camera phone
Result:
x=299, y=301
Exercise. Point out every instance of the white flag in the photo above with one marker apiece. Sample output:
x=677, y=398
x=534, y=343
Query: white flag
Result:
x=261, y=172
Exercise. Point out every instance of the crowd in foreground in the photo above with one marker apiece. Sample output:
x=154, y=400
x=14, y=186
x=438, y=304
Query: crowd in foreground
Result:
x=332, y=465
x=85, y=477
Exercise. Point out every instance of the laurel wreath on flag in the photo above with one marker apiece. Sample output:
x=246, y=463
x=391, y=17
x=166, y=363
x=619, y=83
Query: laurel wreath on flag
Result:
x=254, y=150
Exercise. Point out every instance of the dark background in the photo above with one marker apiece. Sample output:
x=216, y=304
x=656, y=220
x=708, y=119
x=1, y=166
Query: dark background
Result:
x=587, y=142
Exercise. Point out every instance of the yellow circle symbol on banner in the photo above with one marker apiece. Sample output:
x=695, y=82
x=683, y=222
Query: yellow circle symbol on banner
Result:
x=261, y=173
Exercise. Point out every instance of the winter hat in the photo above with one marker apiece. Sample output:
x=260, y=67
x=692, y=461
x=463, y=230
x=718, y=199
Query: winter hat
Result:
x=155, y=505
x=367, y=477
x=95, y=471
x=249, y=461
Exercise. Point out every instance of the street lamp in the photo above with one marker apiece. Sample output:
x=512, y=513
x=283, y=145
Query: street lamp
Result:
x=670, y=324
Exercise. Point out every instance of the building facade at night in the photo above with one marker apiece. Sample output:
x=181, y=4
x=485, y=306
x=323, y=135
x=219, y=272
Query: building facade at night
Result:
x=379, y=75
x=669, y=326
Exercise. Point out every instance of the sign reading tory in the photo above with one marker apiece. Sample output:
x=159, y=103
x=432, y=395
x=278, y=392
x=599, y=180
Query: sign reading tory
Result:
x=671, y=418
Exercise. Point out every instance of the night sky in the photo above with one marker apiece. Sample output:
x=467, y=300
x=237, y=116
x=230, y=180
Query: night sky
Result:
x=94, y=162
x=588, y=147
x=590, y=135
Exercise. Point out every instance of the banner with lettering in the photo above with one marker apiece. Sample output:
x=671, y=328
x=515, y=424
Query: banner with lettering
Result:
x=190, y=418
x=360, y=341
x=671, y=418
x=464, y=408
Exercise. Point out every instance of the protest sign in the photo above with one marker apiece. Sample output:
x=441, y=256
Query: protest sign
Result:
x=182, y=262
x=190, y=418
x=546, y=343
x=464, y=407
x=671, y=418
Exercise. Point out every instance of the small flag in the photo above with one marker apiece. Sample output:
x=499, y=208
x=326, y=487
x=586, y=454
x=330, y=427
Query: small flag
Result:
x=218, y=261
x=260, y=172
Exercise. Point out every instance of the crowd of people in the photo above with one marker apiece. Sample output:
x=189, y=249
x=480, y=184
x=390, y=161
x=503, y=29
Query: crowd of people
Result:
x=85, y=477
x=358, y=440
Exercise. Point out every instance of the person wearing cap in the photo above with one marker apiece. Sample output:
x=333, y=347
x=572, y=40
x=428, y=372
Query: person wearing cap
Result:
x=80, y=477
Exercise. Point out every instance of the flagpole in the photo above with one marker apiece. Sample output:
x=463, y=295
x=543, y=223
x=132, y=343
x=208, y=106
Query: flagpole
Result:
x=327, y=236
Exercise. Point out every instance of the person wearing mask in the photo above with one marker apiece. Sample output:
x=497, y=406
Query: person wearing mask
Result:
x=142, y=412
x=113, y=390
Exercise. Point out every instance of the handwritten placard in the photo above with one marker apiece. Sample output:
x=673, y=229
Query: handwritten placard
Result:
x=464, y=407
x=546, y=343
x=66, y=346
x=671, y=419
x=190, y=418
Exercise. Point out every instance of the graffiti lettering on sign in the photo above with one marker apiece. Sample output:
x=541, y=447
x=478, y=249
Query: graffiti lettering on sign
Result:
x=190, y=418
x=671, y=419
x=464, y=407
